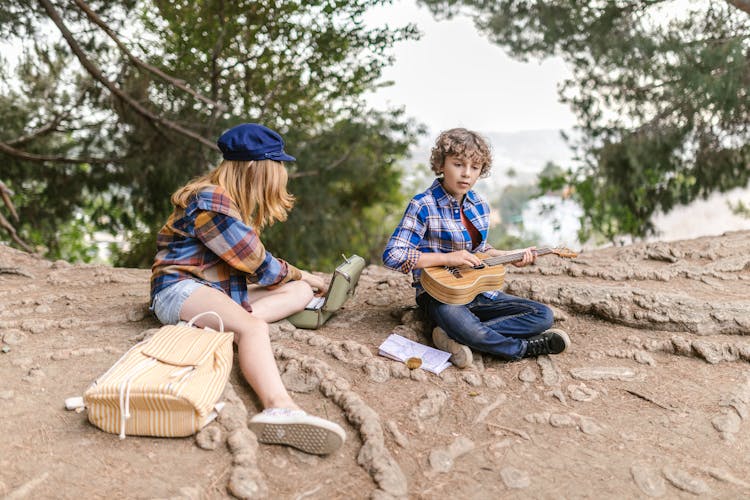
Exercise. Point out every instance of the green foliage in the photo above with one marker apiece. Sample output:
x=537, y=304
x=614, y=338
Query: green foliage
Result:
x=298, y=67
x=741, y=209
x=659, y=88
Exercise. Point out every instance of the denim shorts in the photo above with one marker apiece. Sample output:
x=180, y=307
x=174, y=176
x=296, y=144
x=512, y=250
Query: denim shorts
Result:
x=168, y=302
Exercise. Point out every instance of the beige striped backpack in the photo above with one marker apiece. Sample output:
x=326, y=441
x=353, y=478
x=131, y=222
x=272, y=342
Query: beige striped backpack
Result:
x=168, y=385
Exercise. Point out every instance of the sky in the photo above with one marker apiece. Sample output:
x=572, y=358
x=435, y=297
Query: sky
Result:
x=453, y=76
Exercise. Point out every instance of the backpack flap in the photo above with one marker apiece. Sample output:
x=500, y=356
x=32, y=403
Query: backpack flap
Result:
x=344, y=283
x=181, y=345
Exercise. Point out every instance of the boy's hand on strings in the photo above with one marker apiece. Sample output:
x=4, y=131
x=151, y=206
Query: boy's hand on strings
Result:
x=529, y=256
x=318, y=285
x=461, y=258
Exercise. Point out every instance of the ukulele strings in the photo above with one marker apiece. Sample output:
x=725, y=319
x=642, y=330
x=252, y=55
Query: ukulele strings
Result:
x=503, y=259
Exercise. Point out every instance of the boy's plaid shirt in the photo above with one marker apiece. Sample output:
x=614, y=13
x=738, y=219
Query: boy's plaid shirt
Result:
x=208, y=242
x=432, y=223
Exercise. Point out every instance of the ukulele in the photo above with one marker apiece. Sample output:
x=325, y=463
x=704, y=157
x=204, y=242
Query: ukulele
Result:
x=459, y=285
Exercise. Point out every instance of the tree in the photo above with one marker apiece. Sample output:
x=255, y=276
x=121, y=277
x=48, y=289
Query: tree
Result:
x=660, y=89
x=114, y=105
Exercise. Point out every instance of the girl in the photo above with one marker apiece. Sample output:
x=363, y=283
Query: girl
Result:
x=210, y=249
x=445, y=226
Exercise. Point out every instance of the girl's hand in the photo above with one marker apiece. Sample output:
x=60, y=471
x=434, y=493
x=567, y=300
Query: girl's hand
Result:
x=461, y=258
x=318, y=285
x=529, y=256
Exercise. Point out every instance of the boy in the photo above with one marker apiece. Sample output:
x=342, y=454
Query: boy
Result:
x=445, y=226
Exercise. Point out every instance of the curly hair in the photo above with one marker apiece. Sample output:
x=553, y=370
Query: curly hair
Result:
x=464, y=144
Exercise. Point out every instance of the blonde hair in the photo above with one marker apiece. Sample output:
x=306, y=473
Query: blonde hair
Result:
x=257, y=187
x=464, y=144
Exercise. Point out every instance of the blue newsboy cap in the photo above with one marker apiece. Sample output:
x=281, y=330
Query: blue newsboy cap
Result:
x=251, y=141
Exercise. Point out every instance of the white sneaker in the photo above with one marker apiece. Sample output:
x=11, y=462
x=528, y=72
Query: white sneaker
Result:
x=460, y=354
x=298, y=429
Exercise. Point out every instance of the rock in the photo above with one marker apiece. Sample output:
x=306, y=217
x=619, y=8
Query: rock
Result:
x=603, y=373
x=649, y=480
x=210, y=437
x=537, y=418
x=317, y=341
x=441, y=460
x=582, y=393
x=379, y=300
x=137, y=313
x=286, y=326
x=377, y=370
x=589, y=426
x=472, y=378
x=498, y=448
x=60, y=355
x=550, y=374
x=299, y=335
x=37, y=326
x=34, y=374
x=514, y=478
x=244, y=447
x=561, y=420
x=24, y=363
x=727, y=424
x=247, y=483
x=430, y=405
x=644, y=358
x=400, y=439
x=726, y=476
x=685, y=481
x=14, y=337
x=528, y=374
x=399, y=370
x=493, y=381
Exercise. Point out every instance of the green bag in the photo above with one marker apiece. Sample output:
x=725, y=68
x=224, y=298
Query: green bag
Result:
x=342, y=286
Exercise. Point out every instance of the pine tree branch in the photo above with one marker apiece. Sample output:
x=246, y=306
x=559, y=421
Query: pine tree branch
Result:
x=6, y=193
x=50, y=127
x=180, y=84
x=94, y=71
x=12, y=231
x=23, y=155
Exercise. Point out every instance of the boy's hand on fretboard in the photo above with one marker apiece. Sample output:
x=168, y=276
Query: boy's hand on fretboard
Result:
x=528, y=257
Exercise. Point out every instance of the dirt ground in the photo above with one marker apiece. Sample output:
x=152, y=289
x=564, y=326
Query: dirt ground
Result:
x=653, y=398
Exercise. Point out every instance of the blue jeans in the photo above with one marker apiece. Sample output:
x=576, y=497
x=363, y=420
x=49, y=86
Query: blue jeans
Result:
x=168, y=302
x=496, y=327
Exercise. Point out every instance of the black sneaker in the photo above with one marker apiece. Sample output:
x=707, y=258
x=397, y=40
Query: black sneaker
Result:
x=553, y=341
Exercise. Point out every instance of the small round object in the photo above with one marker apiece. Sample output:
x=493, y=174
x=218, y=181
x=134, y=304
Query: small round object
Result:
x=413, y=363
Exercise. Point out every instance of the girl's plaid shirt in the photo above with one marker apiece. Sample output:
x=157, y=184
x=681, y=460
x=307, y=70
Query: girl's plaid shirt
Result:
x=432, y=223
x=208, y=242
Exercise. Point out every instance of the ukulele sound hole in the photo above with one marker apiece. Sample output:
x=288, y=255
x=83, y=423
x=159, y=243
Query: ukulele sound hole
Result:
x=454, y=272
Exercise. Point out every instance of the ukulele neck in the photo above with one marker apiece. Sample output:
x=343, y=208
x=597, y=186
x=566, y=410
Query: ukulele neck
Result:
x=513, y=257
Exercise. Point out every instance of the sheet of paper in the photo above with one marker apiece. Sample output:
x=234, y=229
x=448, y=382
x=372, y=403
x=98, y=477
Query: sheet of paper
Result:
x=400, y=348
x=315, y=303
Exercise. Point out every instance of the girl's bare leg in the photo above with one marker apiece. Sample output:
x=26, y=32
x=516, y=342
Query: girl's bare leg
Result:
x=257, y=363
x=274, y=305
